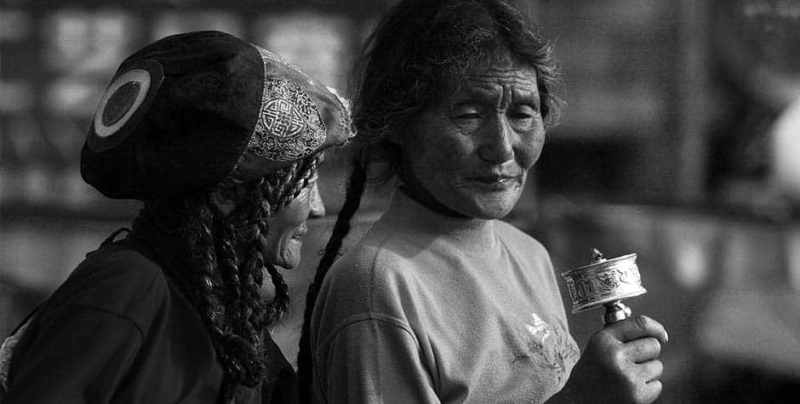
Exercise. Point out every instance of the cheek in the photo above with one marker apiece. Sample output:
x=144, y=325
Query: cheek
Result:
x=274, y=240
x=533, y=155
x=530, y=149
x=442, y=155
x=435, y=147
x=277, y=237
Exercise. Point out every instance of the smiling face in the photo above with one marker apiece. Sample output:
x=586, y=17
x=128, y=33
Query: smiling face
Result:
x=287, y=227
x=469, y=154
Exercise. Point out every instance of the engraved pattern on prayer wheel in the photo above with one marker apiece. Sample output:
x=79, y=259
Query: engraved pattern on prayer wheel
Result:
x=605, y=282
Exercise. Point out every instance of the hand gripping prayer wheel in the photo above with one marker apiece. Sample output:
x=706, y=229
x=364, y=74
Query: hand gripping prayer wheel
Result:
x=605, y=282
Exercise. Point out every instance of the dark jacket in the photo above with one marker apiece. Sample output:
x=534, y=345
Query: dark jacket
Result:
x=117, y=330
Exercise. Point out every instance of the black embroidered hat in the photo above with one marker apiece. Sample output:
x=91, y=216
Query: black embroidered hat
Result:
x=181, y=113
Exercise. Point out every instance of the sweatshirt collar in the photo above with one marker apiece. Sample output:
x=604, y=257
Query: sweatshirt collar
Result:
x=469, y=235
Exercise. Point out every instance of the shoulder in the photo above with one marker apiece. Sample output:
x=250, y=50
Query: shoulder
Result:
x=379, y=245
x=119, y=278
x=379, y=258
x=368, y=278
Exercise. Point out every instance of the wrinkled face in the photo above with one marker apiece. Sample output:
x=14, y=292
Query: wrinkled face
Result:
x=287, y=227
x=471, y=151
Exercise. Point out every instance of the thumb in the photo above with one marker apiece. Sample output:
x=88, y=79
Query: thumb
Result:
x=638, y=326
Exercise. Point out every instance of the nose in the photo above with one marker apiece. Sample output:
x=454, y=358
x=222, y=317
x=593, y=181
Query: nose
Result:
x=317, y=205
x=497, y=143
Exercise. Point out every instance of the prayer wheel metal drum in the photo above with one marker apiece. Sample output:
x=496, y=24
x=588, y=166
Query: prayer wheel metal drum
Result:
x=605, y=282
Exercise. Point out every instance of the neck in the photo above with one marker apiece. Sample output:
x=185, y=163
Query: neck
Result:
x=414, y=190
x=470, y=234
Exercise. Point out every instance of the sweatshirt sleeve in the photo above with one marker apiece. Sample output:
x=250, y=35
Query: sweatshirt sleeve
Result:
x=81, y=356
x=372, y=359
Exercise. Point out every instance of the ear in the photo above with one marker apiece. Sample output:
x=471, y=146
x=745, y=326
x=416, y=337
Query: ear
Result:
x=226, y=198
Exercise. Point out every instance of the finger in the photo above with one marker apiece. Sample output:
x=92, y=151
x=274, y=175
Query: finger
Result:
x=649, y=392
x=651, y=371
x=642, y=349
x=638, y=326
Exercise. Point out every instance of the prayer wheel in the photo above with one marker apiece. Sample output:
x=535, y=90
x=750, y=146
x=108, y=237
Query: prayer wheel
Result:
x=605, y=282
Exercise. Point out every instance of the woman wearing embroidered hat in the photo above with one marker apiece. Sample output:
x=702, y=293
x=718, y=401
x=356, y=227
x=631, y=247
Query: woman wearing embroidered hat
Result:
x=221, y=141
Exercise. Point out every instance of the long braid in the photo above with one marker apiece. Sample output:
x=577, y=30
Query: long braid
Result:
x=225, y=241
x=195, y=220
x=242, y=305
x=256, y=311
x=267, y=313
x=249, y=313
x=210, y=242
x=236, y=355
x=280, y=302
x=355, y=190
x=235, y=313
x=242, y=340
x=200, y=286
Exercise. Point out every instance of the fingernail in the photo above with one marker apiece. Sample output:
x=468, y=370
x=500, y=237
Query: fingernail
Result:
x=666, y=337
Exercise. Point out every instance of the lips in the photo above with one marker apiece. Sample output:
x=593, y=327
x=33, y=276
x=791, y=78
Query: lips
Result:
x=300, y=232
x=498, y=180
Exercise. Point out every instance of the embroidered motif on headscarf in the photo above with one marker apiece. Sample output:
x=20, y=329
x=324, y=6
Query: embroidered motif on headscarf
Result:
x=289, y=125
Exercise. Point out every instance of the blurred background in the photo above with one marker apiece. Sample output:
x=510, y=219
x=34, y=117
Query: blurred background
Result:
x=678, y=143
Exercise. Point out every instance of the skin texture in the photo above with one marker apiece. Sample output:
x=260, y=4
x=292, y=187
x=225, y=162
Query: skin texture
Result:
x=469, y=154
x=288, y=226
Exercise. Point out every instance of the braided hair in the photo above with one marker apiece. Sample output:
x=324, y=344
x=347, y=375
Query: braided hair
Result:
x=235, y=312
x=421, y=50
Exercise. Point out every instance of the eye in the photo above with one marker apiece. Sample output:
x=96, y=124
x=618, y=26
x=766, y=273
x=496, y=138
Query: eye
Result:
x=466, y=115
x=524, y=116
x=467, y=121
x=524, y=111
x=464, y=111
x=465, y=118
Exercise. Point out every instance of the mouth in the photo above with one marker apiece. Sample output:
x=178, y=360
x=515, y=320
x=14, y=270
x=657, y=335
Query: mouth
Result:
x=298, y=235
x=496, y=181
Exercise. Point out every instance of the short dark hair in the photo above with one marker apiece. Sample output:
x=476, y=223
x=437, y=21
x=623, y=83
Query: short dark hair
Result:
x=423, y=49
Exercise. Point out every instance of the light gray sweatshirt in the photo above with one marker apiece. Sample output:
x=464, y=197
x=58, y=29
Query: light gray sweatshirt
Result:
x=428, y=308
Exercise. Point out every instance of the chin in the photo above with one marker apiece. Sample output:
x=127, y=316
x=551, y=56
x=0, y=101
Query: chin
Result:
x=489, y=208
x=291, y=260
x=491, y=213
x=288, y=264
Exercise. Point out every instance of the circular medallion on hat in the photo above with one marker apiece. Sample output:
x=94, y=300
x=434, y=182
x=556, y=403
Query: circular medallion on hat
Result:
x=123, y=104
